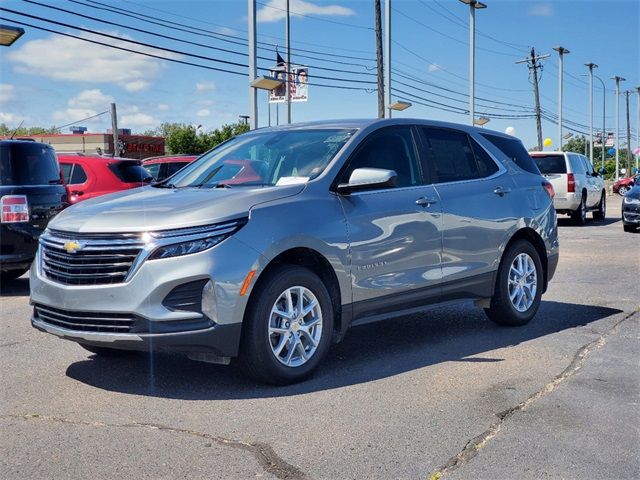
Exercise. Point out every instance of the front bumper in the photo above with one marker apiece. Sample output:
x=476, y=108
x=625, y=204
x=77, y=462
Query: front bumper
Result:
x=226, y=265
x=631, y=214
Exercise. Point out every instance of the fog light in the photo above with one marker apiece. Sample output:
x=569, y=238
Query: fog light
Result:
x=209, y=301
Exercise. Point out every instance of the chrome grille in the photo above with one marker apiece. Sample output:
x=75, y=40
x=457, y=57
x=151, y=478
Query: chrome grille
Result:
x=101, y=258
x=86, y=321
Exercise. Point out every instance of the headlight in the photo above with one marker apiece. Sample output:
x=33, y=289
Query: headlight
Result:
x=192, y=240
x=631, y=200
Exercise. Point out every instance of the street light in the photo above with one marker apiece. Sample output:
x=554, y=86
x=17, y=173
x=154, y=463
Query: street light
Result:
x=264, y=82
x=618, y=80
x=591, y=66
x=473, y=6
x=481, y=121
x=398, y=105
x=567, y=136
x=561, y=52
x=9, y=34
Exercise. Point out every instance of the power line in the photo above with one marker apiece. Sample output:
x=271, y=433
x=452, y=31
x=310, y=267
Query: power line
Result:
x=81, y=120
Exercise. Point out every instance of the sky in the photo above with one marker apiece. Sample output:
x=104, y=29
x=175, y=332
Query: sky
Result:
x=50, y=79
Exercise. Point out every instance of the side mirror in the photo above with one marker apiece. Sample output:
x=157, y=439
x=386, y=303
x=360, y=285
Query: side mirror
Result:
x=601, y=171
x=368, y=179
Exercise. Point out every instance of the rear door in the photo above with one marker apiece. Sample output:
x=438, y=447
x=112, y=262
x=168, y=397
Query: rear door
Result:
x=478, y=215
x=593, y=183
x=78, y=181
x=394, y=233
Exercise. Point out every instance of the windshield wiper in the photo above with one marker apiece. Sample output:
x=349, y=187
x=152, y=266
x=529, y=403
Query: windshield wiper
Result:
x=164, y=185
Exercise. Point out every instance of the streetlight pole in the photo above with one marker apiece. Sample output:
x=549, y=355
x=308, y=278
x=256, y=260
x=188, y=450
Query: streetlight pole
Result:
x=561, y=52
x=638, y=129
x=473, y=6
x=618, y=80
x=604, y=112
x=288, y=72
x=387, y=57
x=591, y=66
x=253, y=92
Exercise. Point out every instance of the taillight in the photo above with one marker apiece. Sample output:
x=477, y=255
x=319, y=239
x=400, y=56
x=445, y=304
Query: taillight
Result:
x=549, y=189
x=571, y=183
x=15, y=209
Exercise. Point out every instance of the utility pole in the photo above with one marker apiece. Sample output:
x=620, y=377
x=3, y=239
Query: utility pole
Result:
x=533, y=62
x=638, y=129
x=114, y=129
x=591, y=66
x=627, y=94
x=379, y=59
x=387, y=56
x=288, y=72
x=253, y=92
x=617, y=80
x=561, y=52
x=473, y=6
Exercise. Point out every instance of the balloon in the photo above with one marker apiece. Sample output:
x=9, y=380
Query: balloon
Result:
x=547, y=142
x=636, y=151
x=510, y=131
x=611, y=151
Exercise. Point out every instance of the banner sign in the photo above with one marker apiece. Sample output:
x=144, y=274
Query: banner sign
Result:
x=297, y=82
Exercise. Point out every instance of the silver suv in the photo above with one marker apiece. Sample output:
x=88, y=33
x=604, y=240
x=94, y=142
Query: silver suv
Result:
x=578, y=187
x=269, y=247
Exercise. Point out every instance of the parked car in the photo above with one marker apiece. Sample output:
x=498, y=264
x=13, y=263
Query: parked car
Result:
x=91, y=176
x=631, y=209
x=350, y=222
x=163, y=167
x=623, y=185
x=31, y=193
x=579, y=188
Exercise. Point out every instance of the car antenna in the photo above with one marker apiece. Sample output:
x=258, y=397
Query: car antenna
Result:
x=16, y=130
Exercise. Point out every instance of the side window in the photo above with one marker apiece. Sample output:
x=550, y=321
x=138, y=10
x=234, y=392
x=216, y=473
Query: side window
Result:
x=153, y=169
x=66, y=171
x=391, y=148
x=514, y=150
x=78, y=175
x=577, y=166
x=174, y=167
x=587, y=165
x=452, y=158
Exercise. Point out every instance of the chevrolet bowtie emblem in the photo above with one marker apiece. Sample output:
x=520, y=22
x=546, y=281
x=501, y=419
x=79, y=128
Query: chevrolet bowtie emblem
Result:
x=72, y=246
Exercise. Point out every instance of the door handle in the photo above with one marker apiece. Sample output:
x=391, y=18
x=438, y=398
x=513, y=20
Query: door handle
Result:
x=502, y=191
x=425, y=202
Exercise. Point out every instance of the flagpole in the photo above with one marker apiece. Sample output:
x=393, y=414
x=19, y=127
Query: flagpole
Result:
x=288, y=70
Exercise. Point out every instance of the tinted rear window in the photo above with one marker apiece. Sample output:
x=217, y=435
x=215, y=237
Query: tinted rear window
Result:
x=514, y=150
x=551, y=163
x=28, y=164
x=130, y=172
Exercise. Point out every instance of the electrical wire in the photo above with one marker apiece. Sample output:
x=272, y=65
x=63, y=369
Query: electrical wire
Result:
x=81, y=120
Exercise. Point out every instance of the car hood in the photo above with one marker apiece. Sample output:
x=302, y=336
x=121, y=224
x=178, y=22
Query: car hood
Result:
x=149, y=208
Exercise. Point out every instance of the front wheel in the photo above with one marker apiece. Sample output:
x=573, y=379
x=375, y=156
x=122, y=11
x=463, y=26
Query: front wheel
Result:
x=601, y=212
x=518, y=287
x=623, y=190
x=288, y=326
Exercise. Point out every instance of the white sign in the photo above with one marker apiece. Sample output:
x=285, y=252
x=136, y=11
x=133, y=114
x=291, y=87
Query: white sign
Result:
x=297, y=82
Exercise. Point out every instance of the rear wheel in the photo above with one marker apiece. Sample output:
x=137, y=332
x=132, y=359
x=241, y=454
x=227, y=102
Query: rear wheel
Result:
x=601, y=212
x=288, y=326
x=518, y=287
x=107, y=352
x=10, y=275
x=579, y=217
x=623, y=190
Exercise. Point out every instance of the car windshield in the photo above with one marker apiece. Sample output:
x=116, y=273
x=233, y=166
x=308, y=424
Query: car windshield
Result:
x=551, y=163
x=265, y=158
x=28, y=164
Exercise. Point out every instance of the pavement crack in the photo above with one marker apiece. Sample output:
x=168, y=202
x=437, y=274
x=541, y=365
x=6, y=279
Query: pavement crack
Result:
x=472, y=447
x=11, y=344
x=264, y=453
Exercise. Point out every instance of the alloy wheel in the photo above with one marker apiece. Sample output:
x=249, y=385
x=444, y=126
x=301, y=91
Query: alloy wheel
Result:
x=523, y=282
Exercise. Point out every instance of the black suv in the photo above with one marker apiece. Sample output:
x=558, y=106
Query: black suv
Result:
x=31, y=193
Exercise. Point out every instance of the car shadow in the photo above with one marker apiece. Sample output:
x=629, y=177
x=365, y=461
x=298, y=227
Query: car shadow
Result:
x=368, y=353
x=15, y=288
x=567, y=222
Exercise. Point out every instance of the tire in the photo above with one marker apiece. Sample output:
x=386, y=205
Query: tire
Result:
x=275, y=357
x=10, y=275
x=502, y=309
x=579, y=217
x=629, y=228
x=107, y=352
x=623, y=190
x=601, y=212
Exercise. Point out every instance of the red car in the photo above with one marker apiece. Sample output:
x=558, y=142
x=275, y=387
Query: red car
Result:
x=91, y=176
x=163, y=167
x=623, y=185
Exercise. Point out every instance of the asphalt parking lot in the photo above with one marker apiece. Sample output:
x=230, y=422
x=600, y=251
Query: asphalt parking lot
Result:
x=442, y=394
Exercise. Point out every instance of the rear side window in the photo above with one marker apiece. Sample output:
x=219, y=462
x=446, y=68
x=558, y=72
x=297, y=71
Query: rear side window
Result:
x=66, y=171
x=549, y=164
x=577, y=165
x=28, y=164
x=78, y=175
x=174, y=167
x=129, y=172
x=514, y=150
x=452, y=156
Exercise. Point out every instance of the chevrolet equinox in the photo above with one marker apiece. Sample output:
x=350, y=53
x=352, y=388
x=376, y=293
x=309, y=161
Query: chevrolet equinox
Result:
x=270, y=246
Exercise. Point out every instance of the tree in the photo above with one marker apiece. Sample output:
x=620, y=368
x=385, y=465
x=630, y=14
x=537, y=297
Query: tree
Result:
x=185, y=139
x=578, y=145
x=25, y=131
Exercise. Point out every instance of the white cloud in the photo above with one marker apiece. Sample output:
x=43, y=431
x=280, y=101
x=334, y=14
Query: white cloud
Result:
x=12, y=118
x=138, y=121
x=85, y=104
x=70, y=59
x=136, y=86
x=205, y=102
x=93, y=98
x=202, y=87
x=275, y=10
x=541, y=10
x=163, y=107
x=7, y=92
x=434, y=67
x=203, y=113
